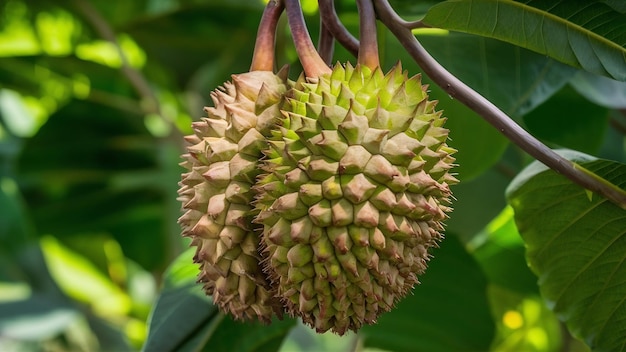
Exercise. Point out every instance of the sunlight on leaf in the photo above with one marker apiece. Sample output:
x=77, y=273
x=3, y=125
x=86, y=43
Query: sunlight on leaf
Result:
x=430, y=31
x=15, y=113
x=10, y=291
x=106, y=53
x=18, y=36
x=309, y=7
x=56, y=32
x=500, y=251
x=524, y=324
x=81, y=280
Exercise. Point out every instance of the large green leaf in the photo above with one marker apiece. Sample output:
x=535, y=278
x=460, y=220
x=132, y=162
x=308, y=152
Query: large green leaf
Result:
x=449, y=311
x=576, y=244
x=182, y=309
x=185, y=319
x=581, y=33
x=513, y=78
x=569, y=121
x=251, y=336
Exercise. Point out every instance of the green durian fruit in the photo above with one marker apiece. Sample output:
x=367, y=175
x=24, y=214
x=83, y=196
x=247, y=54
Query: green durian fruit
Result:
x=354, y=195
x=222, y=163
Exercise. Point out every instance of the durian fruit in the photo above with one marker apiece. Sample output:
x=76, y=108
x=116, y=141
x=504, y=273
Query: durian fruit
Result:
x=222, y=162
x=221, y=165
x=356, y=186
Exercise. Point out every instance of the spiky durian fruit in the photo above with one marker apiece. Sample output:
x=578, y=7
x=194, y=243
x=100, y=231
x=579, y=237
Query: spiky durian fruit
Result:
x=222, y=162
x=357, y=185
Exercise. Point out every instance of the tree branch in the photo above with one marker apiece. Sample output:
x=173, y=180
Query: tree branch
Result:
x=488, y=111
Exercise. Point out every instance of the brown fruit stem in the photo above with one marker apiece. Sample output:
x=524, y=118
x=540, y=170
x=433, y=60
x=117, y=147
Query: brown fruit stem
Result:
x=368, y=50
x=263, y=57
x=488, y=111
x=334, y=25
x=326, y=44
x=311, y=61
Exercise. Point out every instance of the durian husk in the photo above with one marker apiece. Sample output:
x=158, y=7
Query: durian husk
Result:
x=355, y=190
x=221, y=165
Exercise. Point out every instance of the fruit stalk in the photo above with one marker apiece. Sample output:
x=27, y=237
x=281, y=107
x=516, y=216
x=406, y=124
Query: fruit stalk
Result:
x=368, y=49
x=263, y=57
x=330, y=19
x=488, y=111
x=312, y=63
x=326, y=43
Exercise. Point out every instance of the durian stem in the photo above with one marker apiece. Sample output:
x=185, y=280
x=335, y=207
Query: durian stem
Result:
x=263, y=57
x=326, y=43
x=311, y=61
x=368, y=50
x=488, y=111
x=334, y=25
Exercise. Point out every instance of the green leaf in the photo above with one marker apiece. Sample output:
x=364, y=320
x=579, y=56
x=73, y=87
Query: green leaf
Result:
x=82, y=281
x=513, y=78
x=36, y=318
x=580, y=33
x=468, y=218
x=536, y=168
x=500, y=251
x=569, y=121
x=14, y=229
x=449, y=311
x=577, y=247
x=251, y=336
x=182, y=307
x=600, y=90
x=185, y=319
x=20, y=255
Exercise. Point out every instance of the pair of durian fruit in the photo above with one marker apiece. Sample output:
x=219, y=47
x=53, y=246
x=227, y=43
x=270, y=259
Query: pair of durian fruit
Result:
x=319, y=197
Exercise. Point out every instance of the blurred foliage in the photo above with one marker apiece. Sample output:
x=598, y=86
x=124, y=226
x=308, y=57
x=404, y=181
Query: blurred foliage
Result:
x=95, y=96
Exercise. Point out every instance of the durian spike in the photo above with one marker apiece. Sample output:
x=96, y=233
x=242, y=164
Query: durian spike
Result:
x=313, y=64
x=368, y=48
x=263, y=57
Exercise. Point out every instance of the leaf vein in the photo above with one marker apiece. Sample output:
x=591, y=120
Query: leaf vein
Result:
x=586, y=266
x=562, y=231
